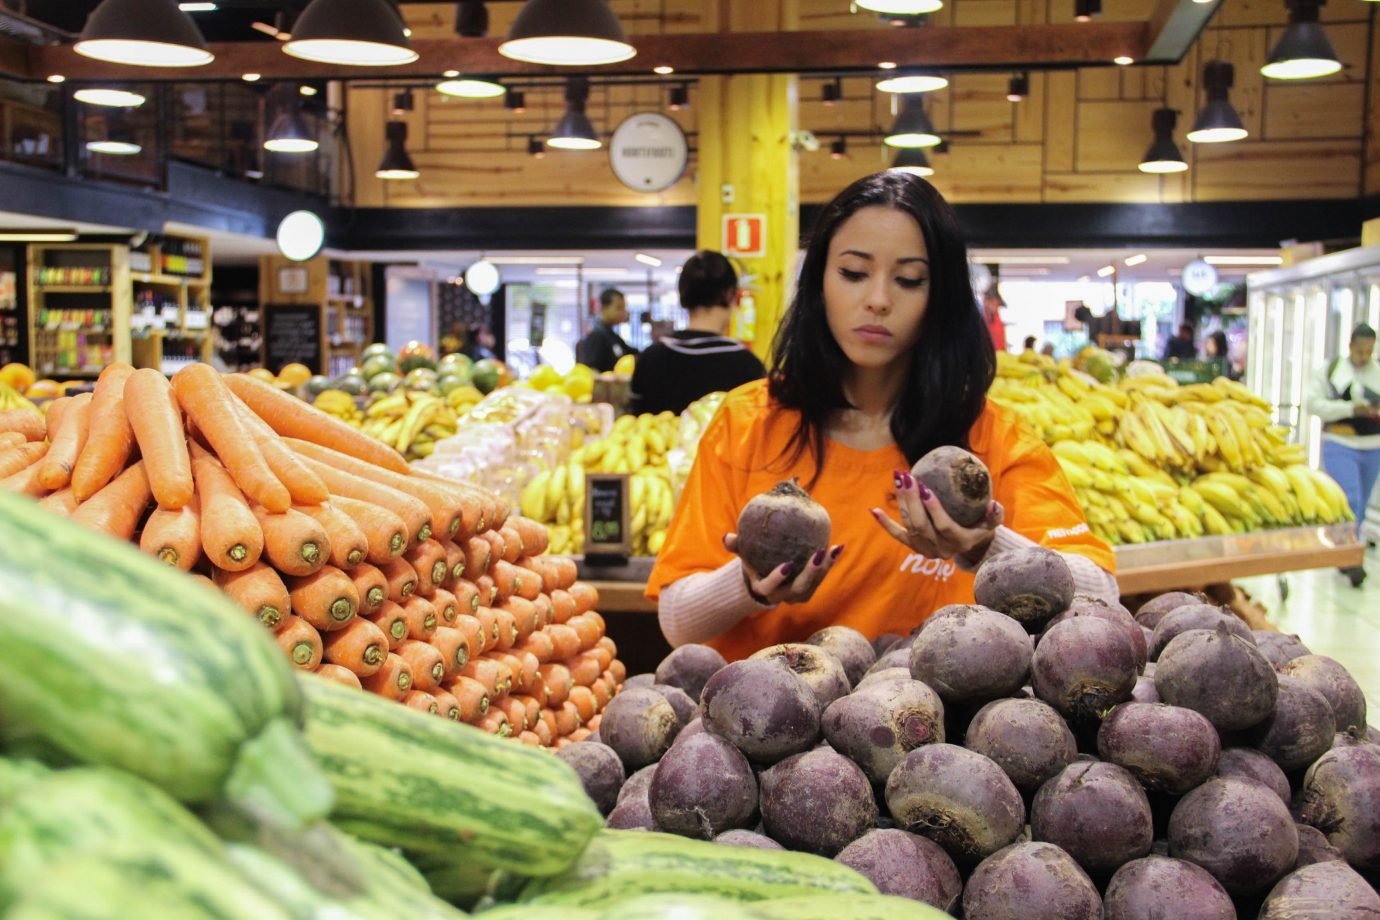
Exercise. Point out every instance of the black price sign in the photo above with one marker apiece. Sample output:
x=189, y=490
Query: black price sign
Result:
x=292, y=334
x=608, y=530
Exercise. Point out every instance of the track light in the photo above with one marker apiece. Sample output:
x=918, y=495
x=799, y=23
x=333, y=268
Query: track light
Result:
x=1018, y=87
x=403, y=102
x=900, y=7
x=1163, y=155
x=912, y=82
x=838, y=149
x=471, y=19
x=679, y=97
x=358, y=33
x=470, y=88
x=912, y=160
x=1085, y=10
x=145, y=33
x=572, y=33
x=396, y=163
x=289, y=134
x=912, y=127
x=515, y=101
x=535, y=148
x=1218, y=122
x=831, y=92
x=575, y=131
x=1303, y=51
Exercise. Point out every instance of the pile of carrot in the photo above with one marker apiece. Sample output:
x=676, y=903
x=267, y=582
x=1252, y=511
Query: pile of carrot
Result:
x=424, y=590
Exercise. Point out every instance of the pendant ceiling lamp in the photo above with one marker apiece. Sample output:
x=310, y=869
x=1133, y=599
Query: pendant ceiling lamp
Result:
x=472, y=19
x=913, y=127
x=1163, y=155
x=573, y=33
x=912, y=160
x=575, y=131
x=289, y=134
x=912, y=82
x=1303, y=51
x=470, y=88
x=1218, y=122
x=1018, y=87
x=358, y=33
x=900, y=7
x=118, y=141
x=108, y=96
x=396, y=163
x=146, y=33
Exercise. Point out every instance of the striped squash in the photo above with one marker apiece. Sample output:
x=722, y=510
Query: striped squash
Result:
x=118, y=660
x=849, y=907
x=428, y=785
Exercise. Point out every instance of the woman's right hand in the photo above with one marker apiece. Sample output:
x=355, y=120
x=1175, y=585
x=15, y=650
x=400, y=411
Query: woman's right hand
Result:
x=784, y=584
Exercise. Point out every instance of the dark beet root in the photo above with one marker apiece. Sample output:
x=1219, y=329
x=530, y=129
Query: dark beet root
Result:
x=1341, y=798
x=744, y=838
x=1238, y=830
x=1144, y=691
x=876, y=725
x=1219, y=674
x=634, y=813
x=639, y=680
x=820, y=670
x=1322, y=891
x=779, y=526
x=1300, y=730
x=638, y=783
x=686, y=709
x=1032, y=585
x=970, y=654
x=819, y=801
x=689, y=667
x=850, y=647
x=1083, y=667
x=1278, y=647
x=1097, y=813
x=1026, y=738
x=957, y=798
x=695, y=727
x=884, y=643
x=1084, y=606
x=1166, y=748
x=763, y=708
x=885, y=674
x=1195, y=616
x=959, y=480
x=905, y=865
x=1157, y=888
x=1030, y=881
x=1314, y=847
x=600, y=771
x=897, y=657
x=639, y=725
x=703, y=787
x=1250, y=764
x=1333, y=681
x=1155, y=609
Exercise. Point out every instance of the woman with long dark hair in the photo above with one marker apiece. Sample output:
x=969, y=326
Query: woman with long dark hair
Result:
x=882, y=356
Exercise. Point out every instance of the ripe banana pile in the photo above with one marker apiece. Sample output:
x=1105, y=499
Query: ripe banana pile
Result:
x=340, y=404
x=10, y=398
x=410, y=422
x=636, y=445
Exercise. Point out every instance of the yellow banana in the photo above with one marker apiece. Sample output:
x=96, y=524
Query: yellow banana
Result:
x=575, y=485
x=1192, y=501
x=1222, y=497
x=1214, y=523
x=1249, y=452
x=1240, y=393
x=655, y=542
x=1227, y=445
x=556, y=488
x=1311, y=507
x=533, y=497
x=1077, y=474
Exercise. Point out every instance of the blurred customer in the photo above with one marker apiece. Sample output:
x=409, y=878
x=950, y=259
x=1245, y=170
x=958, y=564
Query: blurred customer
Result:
x=1048, y=349
x=602, y=348
x=991, y=315
x=1181, y=347
x=1217, y=351
x=1029, y=343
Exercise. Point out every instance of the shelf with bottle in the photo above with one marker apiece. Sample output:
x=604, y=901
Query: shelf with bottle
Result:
x=72, y=352
x=79, y=277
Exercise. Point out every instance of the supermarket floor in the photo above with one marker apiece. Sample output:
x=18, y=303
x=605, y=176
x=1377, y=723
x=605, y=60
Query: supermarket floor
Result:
x=1331, y=617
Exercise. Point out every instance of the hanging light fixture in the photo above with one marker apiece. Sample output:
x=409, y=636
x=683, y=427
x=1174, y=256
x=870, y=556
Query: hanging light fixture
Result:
x=912, y=82
x=1018, y=87
x=1163, y=155
x=913, y=127
x=913, y=161
x=572, y=33
x=1085, y=10
x=118, y=141
x=471, y=19
x=403, y=102
x=358, y=33
x=678, y=98
x=396, y=163
x=575, y=131
x=289, y=134
x=470, y=88
x=535, y=148
x=1303, y=51
x=832, y=91
x=515, y=101
x=900, y=7
x=1218, y=122
x=838, y=150
x=146, y=33
x=108, y=96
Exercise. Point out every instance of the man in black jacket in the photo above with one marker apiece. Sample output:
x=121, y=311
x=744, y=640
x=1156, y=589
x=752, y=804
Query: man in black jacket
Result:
x=602, y=348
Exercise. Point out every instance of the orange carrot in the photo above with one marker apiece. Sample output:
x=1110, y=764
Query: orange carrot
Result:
x=445, y=605
x=28, y=422
x=65, y=443
x=567, y=719
x=421, y=618
x=428, y=669
x=527, y=584
x=301, y=642
x=533, y=708
x=604, y=651
x=578, y=735
x=447, y=705
x=455, y=651
x=472, y=630
x=478, y=504
x=372, y=587
x=498, y=547
x=546, y=612
x=111, y=441
x=508, y=671
x=603, y=692
x=259, y=590
x=548, y=719
x=568, y=571
x=529, y=738
x=466, y=596
x=540, y=645
x=62, y=502
x=557, y=680
x=156, y=420
x=174, y=536
x=327, y=599
x=413, y=511
x=230, y=533
x=524, y=615
x=28, y=479
x=305, y=486
x=488, y=631
x=455, y=563
x=544, y=569
x=292, y=418
x=563, y=606
x=472, y=696
x=507, y=578
x=584, y=701
x=393, y=680
x=487, y=672
x=209, y=405
x=22, y=457
x=495, y=722
x=513, y=547
x=294, y=543
x=528, y=670
x=488, y=591
x=478, y=552
x=361, y=647
x=565, y=639
x=586, y=597
x=589, y=629
x=402, y=580
x=348, y=543
x=118, y=508
x=516, y=713
x=535, y=537
x=429, y=560
x=543, y=733
x=334, y=672
x=392, y=619
x=619, y=671
x=11, y=439
x=507, y=628
x=422, y=702
x=386, y=532
x=584, y=669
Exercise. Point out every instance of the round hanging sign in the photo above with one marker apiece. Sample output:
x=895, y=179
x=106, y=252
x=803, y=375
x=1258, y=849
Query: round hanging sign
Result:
x=649, y=152
x=1199, y=278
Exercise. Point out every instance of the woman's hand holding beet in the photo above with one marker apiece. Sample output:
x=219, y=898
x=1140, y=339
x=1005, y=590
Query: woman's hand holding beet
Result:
x=789, y=582
x=928, y=529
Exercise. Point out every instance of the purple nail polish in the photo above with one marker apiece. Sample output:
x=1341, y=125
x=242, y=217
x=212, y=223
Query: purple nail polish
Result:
x=896, y=478
x=788, y=569
x=838, y=551
x=925, y=493
x=819, y=557
x=908, y=481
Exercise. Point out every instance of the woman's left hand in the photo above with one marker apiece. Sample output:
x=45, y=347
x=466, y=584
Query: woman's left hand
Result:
x=927, y=529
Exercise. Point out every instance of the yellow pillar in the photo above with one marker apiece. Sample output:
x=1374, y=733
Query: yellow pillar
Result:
x=747, y=165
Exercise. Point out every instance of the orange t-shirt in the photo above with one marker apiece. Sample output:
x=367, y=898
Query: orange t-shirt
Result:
x=877, y=585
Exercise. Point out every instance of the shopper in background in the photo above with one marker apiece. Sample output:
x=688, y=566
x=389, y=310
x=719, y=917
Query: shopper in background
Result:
x=991, y=314
x=880, y=358
x=1030, y=344
x=602, y=348
x=1181, y=347
x=683, y=366
x=1217, y=351
x=1345, y=394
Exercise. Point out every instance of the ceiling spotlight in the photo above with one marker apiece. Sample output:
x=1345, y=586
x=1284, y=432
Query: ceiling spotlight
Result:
x=198, y=7
x=900, y=7
x=1163, y=155
x=572, y=33
x=306, y=89
x=912, y=127
x=1303, y=51
x=1106, y=271
x=679, y=97
x=832, y=91
x=1122, y=60
x=403, y=102
x=838, y=149
x=1085, y=10
x=912, y=83
x=515, y=101
x=359, y=33
x=647, y=259
x=252, y=77
x=663, y=69
x=1218, y=122
x=471, y=19
x=1018, y=87
x=575, y=131
x=886, y=65
x=912, y=160
x=56, y=78
x=536, y=148
x=115, y=98
x=289, y=134
x=470, y=88
x=396, y=163
x=1133, y=261
x=148, y=33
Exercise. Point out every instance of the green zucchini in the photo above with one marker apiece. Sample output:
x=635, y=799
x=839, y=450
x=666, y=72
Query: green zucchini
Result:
x=16, y=774
x=532, y=912
x=427, y=785
x=849, y=907
x=121, y=661
x=618, y=865
x=463, y=884
x=681, y=907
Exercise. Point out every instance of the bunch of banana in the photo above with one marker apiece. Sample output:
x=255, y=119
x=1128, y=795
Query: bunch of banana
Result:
x=1059, y=402
x=340, y=404
x=10, y=398
x=557, y=498
x=463, y=399
x=411, y=422
x=634, y=443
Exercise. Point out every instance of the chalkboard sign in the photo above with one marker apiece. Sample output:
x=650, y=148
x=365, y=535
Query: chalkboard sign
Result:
x=292, y=334
x=608, y=531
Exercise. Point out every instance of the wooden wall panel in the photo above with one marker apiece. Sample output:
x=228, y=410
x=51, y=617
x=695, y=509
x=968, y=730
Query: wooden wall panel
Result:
x=1371, y=181
x=1061, y=120
x=1112, y=136
x=1302, y=110
x=1281, y=169
x=990, y=172
x=1132, y=186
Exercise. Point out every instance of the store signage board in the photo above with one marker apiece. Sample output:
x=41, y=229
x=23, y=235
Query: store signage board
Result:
x=292, y=334
x=649, y=152
x=745, y=235
x=608, y=518
x=1199, y=278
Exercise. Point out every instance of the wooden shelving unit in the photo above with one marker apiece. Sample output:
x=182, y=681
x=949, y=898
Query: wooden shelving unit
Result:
x=80, y=303
x=319, y=313
x=172, y=303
